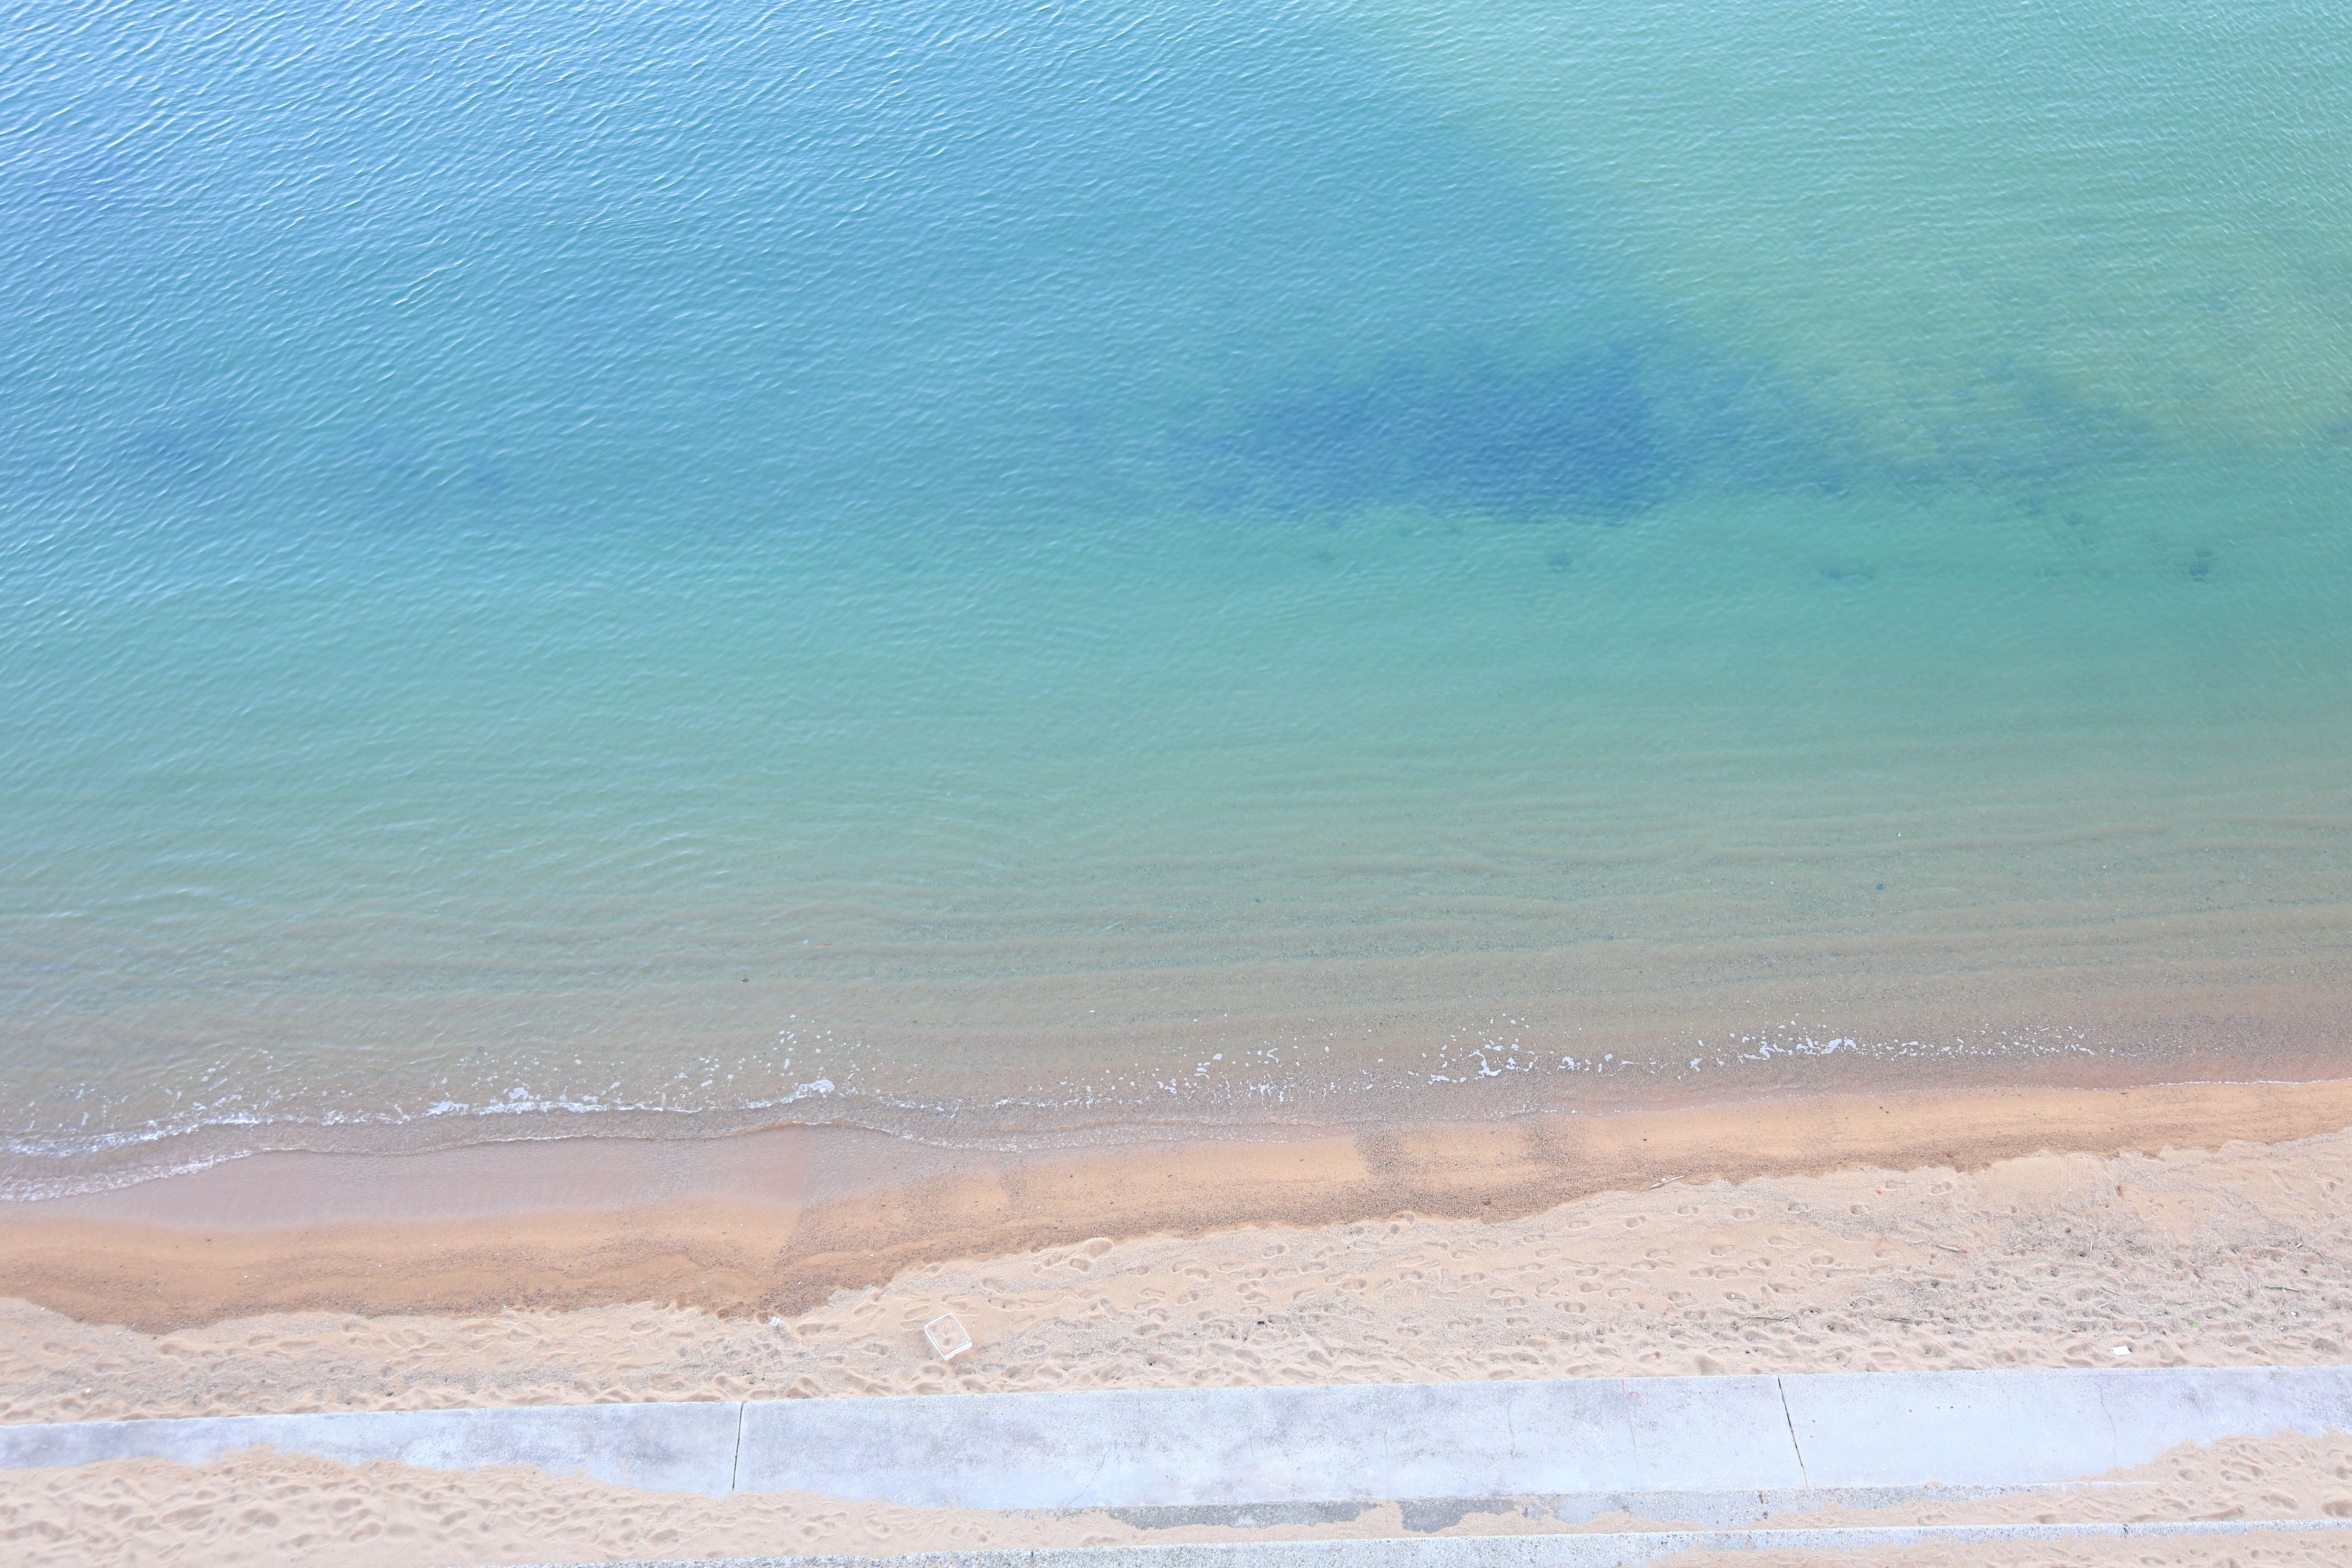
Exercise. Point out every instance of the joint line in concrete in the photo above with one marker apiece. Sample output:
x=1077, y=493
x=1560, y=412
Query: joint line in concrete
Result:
x=1803, y=1476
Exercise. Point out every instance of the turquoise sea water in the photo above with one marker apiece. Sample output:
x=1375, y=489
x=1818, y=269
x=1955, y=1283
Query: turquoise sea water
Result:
x=1017, y=572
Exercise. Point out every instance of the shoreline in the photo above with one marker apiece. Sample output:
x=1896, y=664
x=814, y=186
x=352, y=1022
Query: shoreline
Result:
x=2239, y=1256
x=1568, y=1034
x=778, y=1223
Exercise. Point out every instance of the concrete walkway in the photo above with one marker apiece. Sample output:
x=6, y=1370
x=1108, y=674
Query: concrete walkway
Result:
x=1228, y=1448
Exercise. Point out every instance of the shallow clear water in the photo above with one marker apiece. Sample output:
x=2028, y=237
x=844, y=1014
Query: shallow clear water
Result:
x=1006, y=573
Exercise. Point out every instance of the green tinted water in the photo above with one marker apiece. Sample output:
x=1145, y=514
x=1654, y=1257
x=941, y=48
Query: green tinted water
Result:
x=1022, y=574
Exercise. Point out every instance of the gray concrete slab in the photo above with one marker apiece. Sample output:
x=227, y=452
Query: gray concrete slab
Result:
x=1988, y=1429
x=1123, y=1449
x=1605, y=1551
x=661, y=1448
x=1715, y=1510
x=1580, y=1444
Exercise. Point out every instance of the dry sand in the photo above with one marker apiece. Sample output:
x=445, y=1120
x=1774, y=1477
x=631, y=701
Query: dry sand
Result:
x=2239, y=1253
x=266, y=1508
x=2230, y=1255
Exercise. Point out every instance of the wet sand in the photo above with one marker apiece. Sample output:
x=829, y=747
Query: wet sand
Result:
x=2238, y=1256
x=780, y=1222
x=730, y=1266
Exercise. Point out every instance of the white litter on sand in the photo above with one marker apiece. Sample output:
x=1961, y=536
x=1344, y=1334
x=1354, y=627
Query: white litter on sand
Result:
x=947, y=1336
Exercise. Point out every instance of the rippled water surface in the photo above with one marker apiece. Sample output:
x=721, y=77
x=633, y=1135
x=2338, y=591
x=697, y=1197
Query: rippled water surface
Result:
x=1012, y=571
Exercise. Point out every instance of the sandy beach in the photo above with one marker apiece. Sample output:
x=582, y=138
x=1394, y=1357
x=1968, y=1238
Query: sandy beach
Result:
x=2197, y=1225
x=266, y=1508
x=1260, y=696
x=781, y=1224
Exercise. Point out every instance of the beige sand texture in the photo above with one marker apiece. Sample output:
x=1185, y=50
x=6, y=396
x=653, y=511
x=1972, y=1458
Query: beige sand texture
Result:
x=2238, y=1256
x=732, y=1230
x=263, y=1508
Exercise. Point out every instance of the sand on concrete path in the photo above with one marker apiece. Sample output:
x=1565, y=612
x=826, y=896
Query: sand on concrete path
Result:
x=262, y=1507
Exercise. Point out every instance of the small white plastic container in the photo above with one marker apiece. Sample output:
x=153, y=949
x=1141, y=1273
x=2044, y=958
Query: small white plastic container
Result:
x=948, y=1338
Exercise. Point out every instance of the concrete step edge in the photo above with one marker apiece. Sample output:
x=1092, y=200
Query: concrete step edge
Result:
x=1590, y=1549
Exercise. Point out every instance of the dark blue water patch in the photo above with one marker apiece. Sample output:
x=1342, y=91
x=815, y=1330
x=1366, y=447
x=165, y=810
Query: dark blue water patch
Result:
x=877, y=262
x=76, y=188
x=1570, y=436
x=189, y=448
x=2025, y=425
x=1599, y=434
x=1747, y=425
